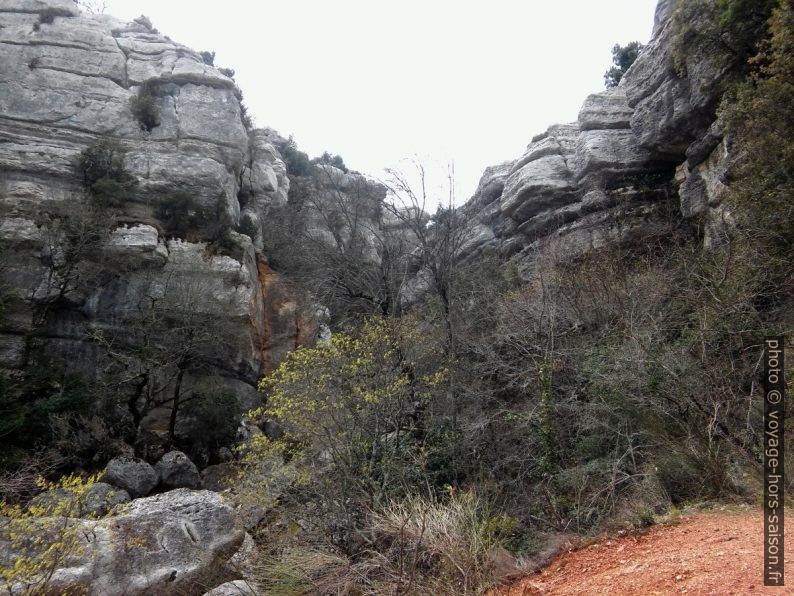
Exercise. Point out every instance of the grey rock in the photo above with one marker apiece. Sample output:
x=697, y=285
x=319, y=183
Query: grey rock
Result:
x=63, y=86
x=603, y=179
x=609, y=154
x=139, y=243
x=671, y=111
x=237, y=587
x=165, y=544
x=134, y=475
x=605, y=110
x=704, y=185
x=175, y=470
x=698, y=151
x=102, y=498
x=537, y=185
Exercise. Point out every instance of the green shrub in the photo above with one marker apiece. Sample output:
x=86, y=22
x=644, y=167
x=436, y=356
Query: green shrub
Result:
x=208, y=58
x=733, y=30
x=333, y=160
x=145, y=107
x=622, y=57
x=759, y=115
x=105, y=178
x=297, y=162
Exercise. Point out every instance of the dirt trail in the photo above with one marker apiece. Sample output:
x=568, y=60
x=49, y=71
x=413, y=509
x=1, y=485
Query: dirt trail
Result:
x=715, y=553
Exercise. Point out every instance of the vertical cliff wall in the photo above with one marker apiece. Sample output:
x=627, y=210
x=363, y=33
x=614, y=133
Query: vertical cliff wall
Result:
x=76, y=288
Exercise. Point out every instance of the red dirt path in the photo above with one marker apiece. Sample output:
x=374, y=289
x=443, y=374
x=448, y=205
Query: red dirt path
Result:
x=715, y=553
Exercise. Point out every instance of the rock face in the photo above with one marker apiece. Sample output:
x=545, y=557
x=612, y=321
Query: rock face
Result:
x=132, y=475
x=615, y=174
x=171, y=543
x=65, y=84
x=175, y=470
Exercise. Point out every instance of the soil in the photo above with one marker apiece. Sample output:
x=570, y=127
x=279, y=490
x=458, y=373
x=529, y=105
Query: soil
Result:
x=713, y=553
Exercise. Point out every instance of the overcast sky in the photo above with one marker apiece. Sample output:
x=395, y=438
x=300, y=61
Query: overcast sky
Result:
x=377, y=82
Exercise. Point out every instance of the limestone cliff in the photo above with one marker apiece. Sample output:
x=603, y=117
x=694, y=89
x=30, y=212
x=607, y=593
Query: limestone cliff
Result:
x=635, y=152
x=66, y=80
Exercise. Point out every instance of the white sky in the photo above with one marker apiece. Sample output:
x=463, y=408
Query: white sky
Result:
x=377, y=82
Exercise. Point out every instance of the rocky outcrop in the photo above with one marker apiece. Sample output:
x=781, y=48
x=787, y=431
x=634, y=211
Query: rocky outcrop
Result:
x=173, y=543
x=66, y=81
x=613, y=175
x=585, y=184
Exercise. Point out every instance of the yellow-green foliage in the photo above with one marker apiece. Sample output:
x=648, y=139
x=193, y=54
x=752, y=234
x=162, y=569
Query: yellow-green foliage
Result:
x=353, y=401
x=43, y=537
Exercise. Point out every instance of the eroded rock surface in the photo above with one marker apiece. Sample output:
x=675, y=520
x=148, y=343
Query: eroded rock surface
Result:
x=64, y=86
x=615, y=174
x=171, y=543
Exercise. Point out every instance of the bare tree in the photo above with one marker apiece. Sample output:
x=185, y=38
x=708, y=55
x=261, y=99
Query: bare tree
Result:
x=438, y=238
x=168, y=334
x=332, y=239
x=92, y=6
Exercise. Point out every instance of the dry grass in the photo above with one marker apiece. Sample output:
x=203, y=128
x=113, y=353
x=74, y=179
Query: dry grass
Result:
x=416, y=546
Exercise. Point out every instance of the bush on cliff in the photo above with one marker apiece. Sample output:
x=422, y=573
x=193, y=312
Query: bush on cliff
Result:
x=622, y=57
x=104, y=175
x=331, y=160
x=145, y=107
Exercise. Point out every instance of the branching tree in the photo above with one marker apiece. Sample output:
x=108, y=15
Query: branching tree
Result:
x=169, y=334
x=438, y=239
x=332, y=240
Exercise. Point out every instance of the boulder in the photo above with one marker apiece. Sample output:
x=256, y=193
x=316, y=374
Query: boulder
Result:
x=175, y=470
x=132, y=474
x=168, y=544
